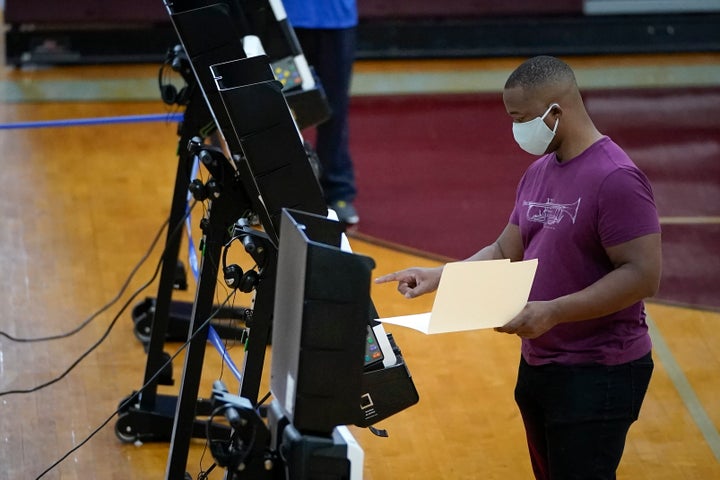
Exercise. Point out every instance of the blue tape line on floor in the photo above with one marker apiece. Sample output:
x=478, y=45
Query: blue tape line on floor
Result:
x=73, y=122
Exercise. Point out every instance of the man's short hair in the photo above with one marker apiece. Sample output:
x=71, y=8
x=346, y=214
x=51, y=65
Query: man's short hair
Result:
x=539, y=71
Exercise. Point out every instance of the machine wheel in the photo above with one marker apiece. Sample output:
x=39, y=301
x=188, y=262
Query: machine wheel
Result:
x=124, y=430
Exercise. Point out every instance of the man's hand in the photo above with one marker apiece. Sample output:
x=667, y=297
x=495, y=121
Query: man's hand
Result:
x=414, y=282
x=534, y=320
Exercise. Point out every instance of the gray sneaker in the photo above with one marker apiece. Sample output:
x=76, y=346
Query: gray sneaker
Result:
x=346, y=212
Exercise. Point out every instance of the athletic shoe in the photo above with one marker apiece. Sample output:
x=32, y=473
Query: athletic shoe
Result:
x=346, y=212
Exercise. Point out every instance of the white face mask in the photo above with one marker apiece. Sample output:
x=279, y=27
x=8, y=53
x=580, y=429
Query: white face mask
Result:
x=534, y=136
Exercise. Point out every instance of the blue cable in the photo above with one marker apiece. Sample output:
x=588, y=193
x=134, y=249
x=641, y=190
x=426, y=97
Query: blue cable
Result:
x=192, y=254
x=193, y=261
x=220, y=346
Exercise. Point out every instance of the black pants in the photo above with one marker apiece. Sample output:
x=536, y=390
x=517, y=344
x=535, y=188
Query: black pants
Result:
x=577, y=416
x=332, y=52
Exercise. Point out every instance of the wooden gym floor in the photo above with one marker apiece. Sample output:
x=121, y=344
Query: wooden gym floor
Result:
x=80, y=206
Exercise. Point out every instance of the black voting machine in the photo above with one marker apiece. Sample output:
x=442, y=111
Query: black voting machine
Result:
x=319, y=323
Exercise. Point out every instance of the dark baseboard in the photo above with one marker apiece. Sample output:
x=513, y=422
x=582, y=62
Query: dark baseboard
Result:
x=527, y=36
x=396, y=39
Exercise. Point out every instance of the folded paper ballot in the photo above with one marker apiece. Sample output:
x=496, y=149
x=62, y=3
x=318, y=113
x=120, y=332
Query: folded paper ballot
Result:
x=474, y=295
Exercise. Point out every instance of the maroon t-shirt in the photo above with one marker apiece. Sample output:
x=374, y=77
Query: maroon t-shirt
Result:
x=568, y=213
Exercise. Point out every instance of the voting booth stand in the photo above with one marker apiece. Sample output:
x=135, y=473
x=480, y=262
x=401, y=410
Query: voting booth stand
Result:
x=332, y=363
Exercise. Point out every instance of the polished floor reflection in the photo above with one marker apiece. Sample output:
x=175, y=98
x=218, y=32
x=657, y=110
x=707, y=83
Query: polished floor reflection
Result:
x=81, y=205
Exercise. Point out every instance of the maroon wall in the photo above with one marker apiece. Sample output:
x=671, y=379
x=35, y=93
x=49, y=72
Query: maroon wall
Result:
x=153, y=11
x=85, y=11
x=378, y=9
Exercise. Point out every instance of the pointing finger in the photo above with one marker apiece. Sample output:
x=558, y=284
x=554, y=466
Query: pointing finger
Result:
x=390, y=277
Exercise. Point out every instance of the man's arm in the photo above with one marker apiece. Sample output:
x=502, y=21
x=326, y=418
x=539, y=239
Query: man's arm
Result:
x=508, y=245
x=417, y=281
x=636, y=276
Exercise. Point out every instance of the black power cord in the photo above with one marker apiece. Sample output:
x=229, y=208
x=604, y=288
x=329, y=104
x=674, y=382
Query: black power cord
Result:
x=134, y=397
x=102, y=309
x=107, y=331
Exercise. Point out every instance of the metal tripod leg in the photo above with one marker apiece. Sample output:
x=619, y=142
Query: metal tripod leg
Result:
x=149, y=416
x=223, y=213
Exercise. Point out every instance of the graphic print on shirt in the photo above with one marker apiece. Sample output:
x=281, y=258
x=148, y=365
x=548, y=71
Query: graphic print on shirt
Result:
x=550, y=213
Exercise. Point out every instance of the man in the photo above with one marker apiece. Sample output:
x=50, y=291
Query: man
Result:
x=587, y=213
x=327, y=32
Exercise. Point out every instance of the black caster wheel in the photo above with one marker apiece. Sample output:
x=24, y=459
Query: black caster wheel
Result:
x=124, y=430
x=142, y=316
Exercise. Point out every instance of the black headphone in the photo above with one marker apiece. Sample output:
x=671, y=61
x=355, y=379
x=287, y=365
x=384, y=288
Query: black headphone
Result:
x=168, y=92
x=234, y=275
x=202, y=191
x=232, y=453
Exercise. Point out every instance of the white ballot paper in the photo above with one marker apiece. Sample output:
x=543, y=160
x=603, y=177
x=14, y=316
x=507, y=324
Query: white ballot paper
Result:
x=474, y=295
